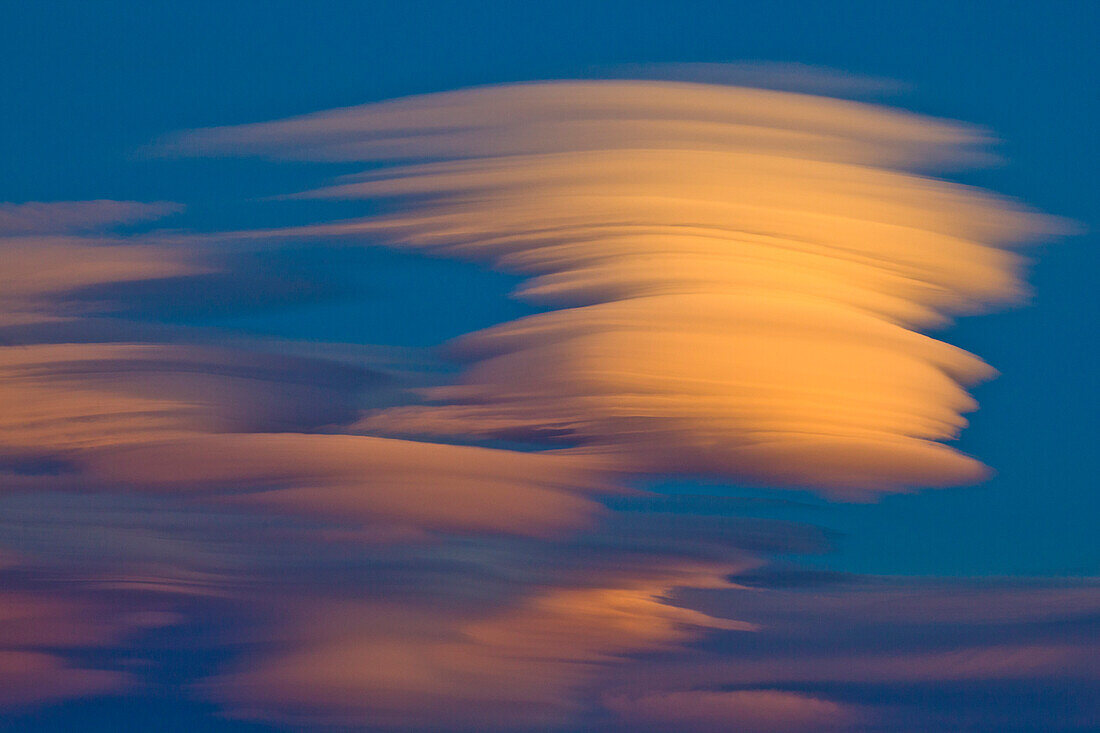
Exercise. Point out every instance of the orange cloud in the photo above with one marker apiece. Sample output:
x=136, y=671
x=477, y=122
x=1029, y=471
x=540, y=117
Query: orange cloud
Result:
x=594, y=115
x=365, y=479
x=393, y=666
x=54, y=217
x=749, y=271
x=160, y=417
x=218, y=422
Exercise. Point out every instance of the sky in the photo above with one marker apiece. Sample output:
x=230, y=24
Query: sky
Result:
x=587, y=366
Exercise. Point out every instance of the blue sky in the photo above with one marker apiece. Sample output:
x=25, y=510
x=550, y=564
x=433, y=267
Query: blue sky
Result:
x=90, y=88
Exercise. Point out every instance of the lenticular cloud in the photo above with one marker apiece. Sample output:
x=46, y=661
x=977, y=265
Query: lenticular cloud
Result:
x=737, y=283
x=742, y=275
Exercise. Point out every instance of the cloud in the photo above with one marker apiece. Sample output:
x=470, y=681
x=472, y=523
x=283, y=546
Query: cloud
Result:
x=899, y=654
x=747, y=272
x=31, y=677
x=227, y=423
x=362, y=478
x=551, y=117
x=180, y=419
x=55, y=217
x=399, y=666
x=744, y=711
x=780, y=76
x=41, y=270
x=202, y=435
x=34, y=626
x=739, y=283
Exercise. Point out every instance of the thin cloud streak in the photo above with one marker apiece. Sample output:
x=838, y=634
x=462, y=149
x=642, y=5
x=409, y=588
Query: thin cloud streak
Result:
x=552, y=117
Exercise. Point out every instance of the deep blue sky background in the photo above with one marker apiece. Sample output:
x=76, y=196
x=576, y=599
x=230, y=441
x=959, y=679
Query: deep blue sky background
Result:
x=86, y=85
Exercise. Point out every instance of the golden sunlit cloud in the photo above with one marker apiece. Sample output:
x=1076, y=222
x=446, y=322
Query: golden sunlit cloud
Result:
x=748, y=271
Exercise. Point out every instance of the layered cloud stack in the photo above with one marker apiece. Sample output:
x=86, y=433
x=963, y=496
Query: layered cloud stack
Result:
x=737, y=284
x=748, y=271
